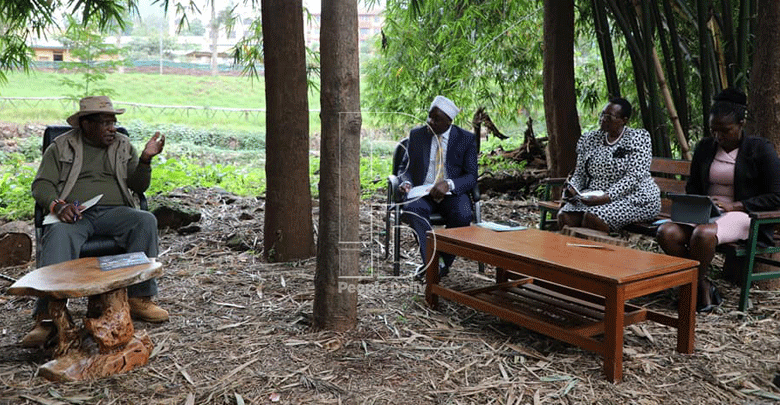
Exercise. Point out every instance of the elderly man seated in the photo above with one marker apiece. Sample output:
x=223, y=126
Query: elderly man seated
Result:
x=92, y=159
x=441, y=158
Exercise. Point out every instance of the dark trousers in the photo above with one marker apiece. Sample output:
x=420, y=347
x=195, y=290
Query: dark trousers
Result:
x=456, y=210
x=133, y=229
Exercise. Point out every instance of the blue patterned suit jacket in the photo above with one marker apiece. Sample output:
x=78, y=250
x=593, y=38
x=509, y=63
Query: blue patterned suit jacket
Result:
x=460, y=163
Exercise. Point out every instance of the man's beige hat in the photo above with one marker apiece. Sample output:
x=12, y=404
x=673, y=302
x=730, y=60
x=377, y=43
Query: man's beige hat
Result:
x=93, y=105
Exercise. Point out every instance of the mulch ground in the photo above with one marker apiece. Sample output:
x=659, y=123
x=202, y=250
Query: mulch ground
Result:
x=240, y=333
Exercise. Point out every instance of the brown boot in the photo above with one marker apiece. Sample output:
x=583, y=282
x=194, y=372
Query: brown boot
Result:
x=143, y=309
x=40, y=334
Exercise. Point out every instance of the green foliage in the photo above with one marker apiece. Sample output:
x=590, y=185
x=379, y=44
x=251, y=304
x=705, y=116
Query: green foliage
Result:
x=479, y=53
x=248, y=53
x=183, y=172
x=95, y=59
x=373, y=174
x=497, y=163
x=195, y=28
x=21, y=20
x=227, y=139
x=16, y=176
x=148, y=47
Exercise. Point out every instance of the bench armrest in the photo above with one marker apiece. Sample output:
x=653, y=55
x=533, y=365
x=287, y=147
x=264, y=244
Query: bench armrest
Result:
x=765, y=215
x=553, y=181
x=475, y=194
x=549, y=183
x=393, y=194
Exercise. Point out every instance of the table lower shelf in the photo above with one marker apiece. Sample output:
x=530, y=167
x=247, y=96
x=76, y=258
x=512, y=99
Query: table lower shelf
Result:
x=567, y=314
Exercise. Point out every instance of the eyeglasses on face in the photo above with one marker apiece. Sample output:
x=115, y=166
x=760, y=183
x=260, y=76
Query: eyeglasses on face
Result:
x=609, y=117
x=106, y=123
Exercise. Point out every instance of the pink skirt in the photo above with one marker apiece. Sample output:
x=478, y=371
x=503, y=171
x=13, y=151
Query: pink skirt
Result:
x=732, y=226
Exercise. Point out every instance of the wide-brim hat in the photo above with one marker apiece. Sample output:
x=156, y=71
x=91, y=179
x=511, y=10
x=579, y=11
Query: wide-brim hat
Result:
x=93, y=105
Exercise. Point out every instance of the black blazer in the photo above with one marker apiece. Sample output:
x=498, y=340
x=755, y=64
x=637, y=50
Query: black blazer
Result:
x=756, y=175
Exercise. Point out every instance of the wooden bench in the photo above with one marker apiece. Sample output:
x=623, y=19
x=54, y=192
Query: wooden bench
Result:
x=671, y=176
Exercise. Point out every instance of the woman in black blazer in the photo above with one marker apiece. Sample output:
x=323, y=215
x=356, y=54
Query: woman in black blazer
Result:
x=741, y=173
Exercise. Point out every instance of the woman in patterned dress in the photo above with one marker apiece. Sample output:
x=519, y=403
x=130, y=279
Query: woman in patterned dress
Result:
x=742, y=174
x=612, y=176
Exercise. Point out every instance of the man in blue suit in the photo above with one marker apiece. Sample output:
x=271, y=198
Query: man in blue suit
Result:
x=442, y=159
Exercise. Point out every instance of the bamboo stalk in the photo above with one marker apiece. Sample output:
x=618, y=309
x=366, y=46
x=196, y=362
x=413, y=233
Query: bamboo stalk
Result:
x=668, y=101
x=684, y=148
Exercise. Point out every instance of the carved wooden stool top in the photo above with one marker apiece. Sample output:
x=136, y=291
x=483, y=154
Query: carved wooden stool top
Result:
x=81, y=278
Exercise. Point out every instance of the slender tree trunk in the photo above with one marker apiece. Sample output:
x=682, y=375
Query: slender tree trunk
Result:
x=214, y=39
x=604, y=39
x=681, y=99
x=560, y=99
x=288, y=233
x=702, y=13
x=764, y=94
x=338, y=247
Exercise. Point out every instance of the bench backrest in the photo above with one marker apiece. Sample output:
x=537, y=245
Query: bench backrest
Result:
x=671, y=176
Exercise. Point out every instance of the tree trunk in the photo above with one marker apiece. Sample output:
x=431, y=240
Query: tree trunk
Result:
x=338, y=247
x=560, y=99
x=214, y=39
x=702, y=14
x=764, y=95
x=288, y=231
x=601, y=24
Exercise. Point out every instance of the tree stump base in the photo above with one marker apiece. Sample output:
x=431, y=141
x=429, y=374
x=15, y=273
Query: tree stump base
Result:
x=15, y=249
x=79, y=366
x=594, y=235
x=106, y=345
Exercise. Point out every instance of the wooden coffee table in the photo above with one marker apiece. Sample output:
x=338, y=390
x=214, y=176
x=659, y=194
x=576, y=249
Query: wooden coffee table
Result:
x=554, y=285
x=107, y=343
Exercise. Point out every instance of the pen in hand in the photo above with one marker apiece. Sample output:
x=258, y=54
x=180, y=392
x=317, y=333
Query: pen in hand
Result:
x=78, y=208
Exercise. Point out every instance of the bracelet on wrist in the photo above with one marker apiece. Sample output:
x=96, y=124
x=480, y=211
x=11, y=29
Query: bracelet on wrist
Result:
x=62, y=208
x=145, y=161
x=54, y=204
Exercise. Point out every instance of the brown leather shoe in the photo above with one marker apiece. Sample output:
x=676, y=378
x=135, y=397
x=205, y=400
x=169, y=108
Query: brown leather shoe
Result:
x=44, y=330
x=143, y=309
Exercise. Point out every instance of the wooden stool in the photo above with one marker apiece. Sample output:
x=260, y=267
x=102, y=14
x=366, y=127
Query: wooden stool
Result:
x=107, y=343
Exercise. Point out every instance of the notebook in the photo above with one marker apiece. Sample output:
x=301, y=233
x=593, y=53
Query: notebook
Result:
x=693, y=209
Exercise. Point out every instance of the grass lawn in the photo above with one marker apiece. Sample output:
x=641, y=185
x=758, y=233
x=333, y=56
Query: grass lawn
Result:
x=196, y=92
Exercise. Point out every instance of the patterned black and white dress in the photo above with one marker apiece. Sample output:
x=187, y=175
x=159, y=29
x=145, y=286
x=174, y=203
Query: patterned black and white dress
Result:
x=622, y=170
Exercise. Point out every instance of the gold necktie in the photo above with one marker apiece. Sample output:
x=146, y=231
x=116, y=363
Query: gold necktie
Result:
x=439, y=161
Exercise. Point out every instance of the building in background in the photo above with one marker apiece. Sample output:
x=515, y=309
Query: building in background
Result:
x=370, y=22
x=193, y=46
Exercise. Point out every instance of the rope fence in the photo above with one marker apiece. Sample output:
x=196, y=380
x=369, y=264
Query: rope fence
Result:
x=68, y=105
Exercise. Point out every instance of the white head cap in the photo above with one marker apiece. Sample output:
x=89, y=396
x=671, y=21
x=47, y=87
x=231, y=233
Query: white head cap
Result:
x=446, y=106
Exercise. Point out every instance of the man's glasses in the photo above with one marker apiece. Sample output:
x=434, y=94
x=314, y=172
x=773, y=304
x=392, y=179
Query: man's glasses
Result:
x=106, y=123
x=608, y=117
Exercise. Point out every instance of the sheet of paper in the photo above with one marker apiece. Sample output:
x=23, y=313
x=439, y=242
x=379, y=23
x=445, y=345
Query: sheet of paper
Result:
x=420, y=191
x=122, y=260
x=500, y=227
x=51, y=218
